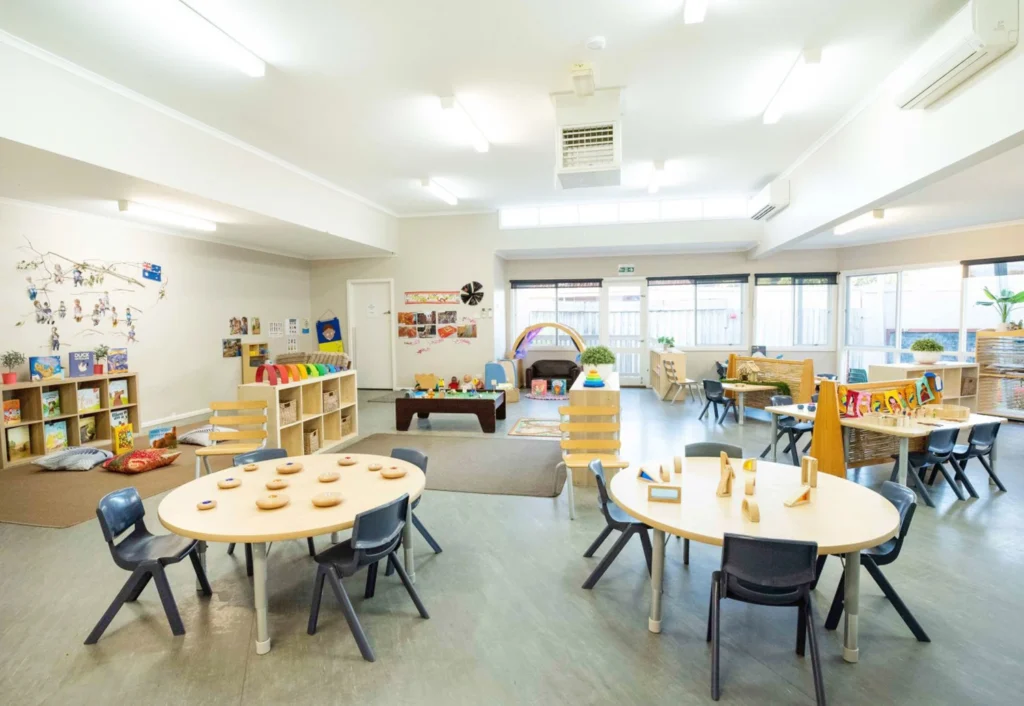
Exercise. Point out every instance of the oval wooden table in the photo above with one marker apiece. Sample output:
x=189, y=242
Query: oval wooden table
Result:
x=237, y=519
x=842, y=517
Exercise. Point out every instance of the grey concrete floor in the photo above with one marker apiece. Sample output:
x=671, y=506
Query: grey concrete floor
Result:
x=509, y=622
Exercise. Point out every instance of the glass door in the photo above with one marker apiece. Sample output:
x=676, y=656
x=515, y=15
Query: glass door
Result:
x=627, y=329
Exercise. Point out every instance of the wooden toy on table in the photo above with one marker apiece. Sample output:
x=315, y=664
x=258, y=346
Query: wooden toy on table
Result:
x=228, y=483
x=425, y=381
x=374, y=467
x=658, y=493
x=809, y=471
x=750, y=486
x=249, y=467
x=392, y=473
x=663, y=472
x=750, y=510
x=326, y=499
x=750, y=464
x=277, y=484
x=347, y=461
x=725, y=481
x=801, y=497
x=643, y=475
x=328, y=476
x=289, y=468
x=677, y=462
x=272, y=501
x=206, y=504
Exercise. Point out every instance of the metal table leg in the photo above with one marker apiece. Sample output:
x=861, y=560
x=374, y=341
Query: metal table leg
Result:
x=259, y=582
x=201, y=552
x=740, y=408
x=851, y=606
x=335, y=537
x=775, y=439
x=410, y=567
x=657, y=574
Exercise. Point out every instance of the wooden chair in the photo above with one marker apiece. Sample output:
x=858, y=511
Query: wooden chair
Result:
x=243, y=413
x=577, y=453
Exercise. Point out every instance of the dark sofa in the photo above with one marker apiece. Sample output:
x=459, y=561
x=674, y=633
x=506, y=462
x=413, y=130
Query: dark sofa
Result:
x=553, y=370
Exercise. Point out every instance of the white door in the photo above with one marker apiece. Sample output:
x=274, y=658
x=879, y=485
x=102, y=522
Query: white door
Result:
x=627, y=329
x=370, y=329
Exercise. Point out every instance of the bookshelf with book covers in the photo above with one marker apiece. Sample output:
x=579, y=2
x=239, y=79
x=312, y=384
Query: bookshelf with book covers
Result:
x=44, y=416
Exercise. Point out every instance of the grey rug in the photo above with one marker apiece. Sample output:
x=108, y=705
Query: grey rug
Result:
x=388, y=397
x=477, y=465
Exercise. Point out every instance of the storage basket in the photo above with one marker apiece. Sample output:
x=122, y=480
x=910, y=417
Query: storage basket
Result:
x=310, y=441
x=288, y=412
x=347, y=425
x=330, y=401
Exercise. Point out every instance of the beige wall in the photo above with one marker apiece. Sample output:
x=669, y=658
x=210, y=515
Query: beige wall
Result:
x=178, y=353
x=976, y=244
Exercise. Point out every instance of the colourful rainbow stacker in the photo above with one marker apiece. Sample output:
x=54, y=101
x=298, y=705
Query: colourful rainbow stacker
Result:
x=593, y=379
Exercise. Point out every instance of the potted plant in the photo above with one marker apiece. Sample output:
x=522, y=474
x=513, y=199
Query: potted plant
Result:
x=599, y=357
x=1005, y=303
x=100, y=354
x=667, y=341
x=926, y=350
x=11, y=360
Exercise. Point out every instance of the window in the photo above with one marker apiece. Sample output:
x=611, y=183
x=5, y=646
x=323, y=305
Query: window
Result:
x=794, y=309
x=871, y=310
x=930, y=308
x=575, y=303
x=1001, y=277
x=697, y=311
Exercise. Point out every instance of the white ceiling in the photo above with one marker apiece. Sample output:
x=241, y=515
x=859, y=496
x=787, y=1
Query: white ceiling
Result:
x=350, y=93
x=37, y=176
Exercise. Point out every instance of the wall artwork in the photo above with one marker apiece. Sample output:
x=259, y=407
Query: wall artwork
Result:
x=472, y=294
x=406, y=318
x=432, y=297
x=275, y=329
x=255, y=328
x=292, y=327
x=426, y=317
x=429, y=331
x=231, y=348
x=467, y=330
x=305, y=326
x=238, y=326
x=407, y=331
x=292, y=345
x=328, y=335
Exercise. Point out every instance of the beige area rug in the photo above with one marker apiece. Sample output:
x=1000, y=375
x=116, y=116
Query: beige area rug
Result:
x=478, y=465
x=536, y=428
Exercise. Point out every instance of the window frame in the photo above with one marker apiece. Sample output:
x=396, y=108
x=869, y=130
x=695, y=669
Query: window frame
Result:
x=743, y=279
x=832, y=343
x=514, y=306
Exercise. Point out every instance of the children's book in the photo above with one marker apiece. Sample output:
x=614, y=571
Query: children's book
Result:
x=45, y=367
x=539, y=387
x=118, y=417
x=12, y=411
x=18, y=443
x=118, y=393
x=80, y=363
x=558, y=387
x=117, y=360
x=123, y=440
x=51, y=403
x=88, y=399
x=87, y=429
x=56, y=434
x=163, y=438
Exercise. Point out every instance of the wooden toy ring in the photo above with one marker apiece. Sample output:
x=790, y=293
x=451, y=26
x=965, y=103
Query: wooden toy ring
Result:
x=393, y=472
x=227, y=483
x=328, y=476
x=347, y=461
x=250, y=467
x=750, y=487
x=277, y=484
x=206, y=504
x=326, y=499
x=751, y=510
x=272, y=501
x=374, y=467
x=288, y=468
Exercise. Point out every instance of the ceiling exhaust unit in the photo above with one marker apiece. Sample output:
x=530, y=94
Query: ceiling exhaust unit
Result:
x=589, y=140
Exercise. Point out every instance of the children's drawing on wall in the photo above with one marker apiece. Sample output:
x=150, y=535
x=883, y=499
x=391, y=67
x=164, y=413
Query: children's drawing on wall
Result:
x=255, y=326
x=328, y=334
x=231, y=348
x=432, y=297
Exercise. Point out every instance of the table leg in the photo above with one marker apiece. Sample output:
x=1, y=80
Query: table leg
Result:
x=410, y=567
x=403, y=418
x=740, y=407
x=335, y=537
x=775, y=438
x=657, y=574
x=201, y=552
x=259, y=582
x=851, y=606
x=500, y=411
x=486, y=419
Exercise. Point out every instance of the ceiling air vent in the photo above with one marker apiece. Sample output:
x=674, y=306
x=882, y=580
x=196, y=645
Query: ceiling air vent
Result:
x=589, y=155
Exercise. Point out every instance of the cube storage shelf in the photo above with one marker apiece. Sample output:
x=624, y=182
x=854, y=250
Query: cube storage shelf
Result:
x=333, y=427
x=1001, y=357
x=959, y=380
x=30, y=398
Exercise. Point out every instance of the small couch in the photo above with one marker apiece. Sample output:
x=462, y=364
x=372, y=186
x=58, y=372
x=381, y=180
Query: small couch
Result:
x=552, y=370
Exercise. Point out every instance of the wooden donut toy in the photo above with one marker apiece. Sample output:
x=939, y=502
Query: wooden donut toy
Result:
x=347, y=461
x=206, y=504
x=392, y=472
x=290, y=467
x=374, y=467
x=326, y=499
x=272, y=501
x=249, y=467
x=328, y=476
x=277, y=484
x=227, y=483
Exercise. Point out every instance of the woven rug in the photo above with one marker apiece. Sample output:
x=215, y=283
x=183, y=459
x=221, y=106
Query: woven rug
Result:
x=479, y=465
x=536, y=428
x=389, y=397
x=547, y=398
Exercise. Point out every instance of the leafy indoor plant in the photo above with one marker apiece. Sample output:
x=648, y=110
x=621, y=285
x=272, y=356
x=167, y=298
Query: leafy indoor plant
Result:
x=1005, y=303
x=599, y=357
x=11, y=360
x=926, y=350
x=100, y=354
x=667, y=341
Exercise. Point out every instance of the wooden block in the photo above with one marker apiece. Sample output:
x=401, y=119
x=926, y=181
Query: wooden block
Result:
x=289, y=468
x=809, y=471
x=272, y=501
x=228, y=483
x=374, y=467
x=664, y=493
x=326, y=499
x=392, y=472
x=727, y=475
x=249, y=467
x=206, y=504
x=328, y=476
x=663, y=472
x=678, y=463
x=750, y=464
x=801, y=497
x=347, y=461
x=643, y=475
x=277, y=484
x=750, y=510
x=750, y=486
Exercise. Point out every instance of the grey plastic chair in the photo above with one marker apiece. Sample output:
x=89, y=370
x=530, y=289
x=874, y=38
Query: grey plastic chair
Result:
x=144, y=554
x=979, y=445
x=938, y=452
x=707, y=449
x=615, y=519
x=790, y=428
x=714, y=393
x=768, y=572
x=419, y=460
x=376, y=536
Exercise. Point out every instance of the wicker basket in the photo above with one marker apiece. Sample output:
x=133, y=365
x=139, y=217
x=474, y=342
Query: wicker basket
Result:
x=347, y=425
x=330, y=401
x=288, y=412
x=310, y=441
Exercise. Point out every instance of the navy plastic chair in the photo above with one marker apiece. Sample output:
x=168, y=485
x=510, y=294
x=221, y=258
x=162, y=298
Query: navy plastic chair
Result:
x=144, y=554
x=979, y=445
x=707, y=449
x=419, y=460
x=904, y=501
x=790, y=428
x=376, y=536
x=856, y=375
x=714, y=393
x=615, y=519
x=938, y=452
x=768, y=572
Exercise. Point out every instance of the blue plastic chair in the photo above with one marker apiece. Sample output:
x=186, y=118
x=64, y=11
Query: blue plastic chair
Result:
x=857, y=375
x=615, y=519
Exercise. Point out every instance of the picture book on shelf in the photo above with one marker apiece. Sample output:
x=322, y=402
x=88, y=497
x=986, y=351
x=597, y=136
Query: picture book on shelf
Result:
x=118, y=393
x=80, y=363
x=12, y=411
x=123, y=439
x=45, y=367
x=56, y=435
x=117, y=360
x=88, y=399
x=118, y=417
x=51, y=403
x=87, y=429
x=18, y=443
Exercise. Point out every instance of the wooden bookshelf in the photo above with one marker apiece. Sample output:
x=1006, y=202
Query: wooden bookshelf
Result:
x=253, y=356
x=959, y=380
x=1000, y=355
x=33, y=420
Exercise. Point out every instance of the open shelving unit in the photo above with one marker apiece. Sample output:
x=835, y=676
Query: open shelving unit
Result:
x=333, y=426
x=1000, y=355
x=30, y=398
x=959, y=380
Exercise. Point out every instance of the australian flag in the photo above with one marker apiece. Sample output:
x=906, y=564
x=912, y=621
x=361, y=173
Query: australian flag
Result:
x=151, y=271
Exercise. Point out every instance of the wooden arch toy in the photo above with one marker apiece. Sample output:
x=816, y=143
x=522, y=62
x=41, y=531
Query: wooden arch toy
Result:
x=571, y=333
x=274, y=373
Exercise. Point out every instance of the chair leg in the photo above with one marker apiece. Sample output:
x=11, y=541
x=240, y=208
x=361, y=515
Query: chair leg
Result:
x=835, y=612
x=167, y=598
x=958, y=474
x=350, y=615
x=409, y=587
x=818, y=569
x=596, y=575
x=894, y=598
x=819, y=681
x=895, y=475
x=716, y=637
x=645, y=542
x=793, y=438
x=314, y=605
x=248, y=560
x=426, y=535
x=197, y=565
x=371, y=580
x=991, y=473
x=596, y=544
x=735, y=411
x=231, y=549
x=138, y=577
x=704, y=412
x=801, y=630
x=952, y=481
x=134, y=595
x=808, y=446
x=686, y=552
x=768, y=448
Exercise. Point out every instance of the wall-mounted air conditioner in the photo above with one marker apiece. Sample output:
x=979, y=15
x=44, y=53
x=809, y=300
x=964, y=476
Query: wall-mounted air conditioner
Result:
x=771, y=201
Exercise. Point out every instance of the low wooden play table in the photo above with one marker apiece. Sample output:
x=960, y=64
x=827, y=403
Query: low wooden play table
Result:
x=740, y=389
x=487, y=406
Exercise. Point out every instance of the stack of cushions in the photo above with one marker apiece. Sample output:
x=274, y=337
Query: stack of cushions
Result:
x=201, y=436
x=75, y=458
x=141, y=460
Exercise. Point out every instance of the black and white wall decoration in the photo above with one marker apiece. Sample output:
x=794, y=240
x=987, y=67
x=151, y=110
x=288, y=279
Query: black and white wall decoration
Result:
x=472, y=293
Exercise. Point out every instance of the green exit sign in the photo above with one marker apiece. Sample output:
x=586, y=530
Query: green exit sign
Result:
x=626, y=269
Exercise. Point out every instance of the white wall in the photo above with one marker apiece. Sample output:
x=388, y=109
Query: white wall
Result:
x=178, y=353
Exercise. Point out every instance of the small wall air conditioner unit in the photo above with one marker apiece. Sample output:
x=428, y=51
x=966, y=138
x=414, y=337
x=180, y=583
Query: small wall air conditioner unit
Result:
x=772, y=200
x=588, y=150
x=987, y=29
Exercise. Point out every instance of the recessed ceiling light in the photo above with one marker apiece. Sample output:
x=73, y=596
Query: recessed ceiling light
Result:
x=695, y=11
x=657, y=176
x=222, y=46
x=440, y=192
x=596, y=43
x=157, y=215
x=799, y=82
x=464, y=124
x=862, y=221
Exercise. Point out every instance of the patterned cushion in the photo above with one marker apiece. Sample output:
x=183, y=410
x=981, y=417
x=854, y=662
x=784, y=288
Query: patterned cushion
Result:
x=141, y=460
x=75, y=458
x=201, y=436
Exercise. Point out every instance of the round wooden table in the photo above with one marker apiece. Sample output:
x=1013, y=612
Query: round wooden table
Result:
x=842, y=517
x=237, y=519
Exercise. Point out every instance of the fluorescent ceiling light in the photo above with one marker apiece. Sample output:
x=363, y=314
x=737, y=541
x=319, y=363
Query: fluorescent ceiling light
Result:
x=657, y=176
x=464, y=124
x=157, y=215
x=220, y=45
x=862, y=221
x=440, y=192
x=797, y=85
x=695, y=11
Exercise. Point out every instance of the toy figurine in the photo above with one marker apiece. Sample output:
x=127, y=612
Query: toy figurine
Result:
x=113, y=316
x=96, y=314
x=131, y=333
x=76, y=276
x=54, y=340
x=58, y=274
x=76, y=311
x=478, y=384
x=454, y=384
x=62, y=310
x=466, y=383
x=128, y=315
x=31, y=289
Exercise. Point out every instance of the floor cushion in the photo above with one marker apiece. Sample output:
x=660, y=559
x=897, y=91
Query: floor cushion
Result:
x=141, y=460
x=74, y=458
x=201, y=435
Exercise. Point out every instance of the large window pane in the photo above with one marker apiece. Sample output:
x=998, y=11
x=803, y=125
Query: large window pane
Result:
x=719, y=314
x=1008, y=276
x=670, y=312
x=865, y=359
x=793, y=315
x=624, y=302
x=534, y=306
x=579, y=308
x=775, y=316
x=813, y=312
x=871, y=310
x=930, y=308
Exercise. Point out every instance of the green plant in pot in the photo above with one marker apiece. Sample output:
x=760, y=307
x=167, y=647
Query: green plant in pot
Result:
x=1004, y=303
x=599, y=357
x=667, y=341
x=926, y=350
x=11, y=360
x=100, y=353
